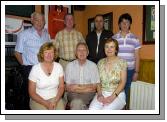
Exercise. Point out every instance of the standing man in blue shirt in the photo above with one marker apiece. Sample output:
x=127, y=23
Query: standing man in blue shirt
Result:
x=27, y=47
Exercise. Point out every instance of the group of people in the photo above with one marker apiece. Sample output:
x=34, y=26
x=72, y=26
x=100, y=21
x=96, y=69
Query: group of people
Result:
x=91, y=74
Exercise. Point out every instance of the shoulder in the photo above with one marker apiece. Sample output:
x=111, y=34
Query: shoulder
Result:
x=133, y=36
x=60, y=32
x=36, y=67
x=77, y=32
x=91, y=33
x=26, y=31
x=115, y=36
x=101, y=61
x=58, y=65
x=91, y=63
x=71, y=64
x=108, y=32
x=122, y=62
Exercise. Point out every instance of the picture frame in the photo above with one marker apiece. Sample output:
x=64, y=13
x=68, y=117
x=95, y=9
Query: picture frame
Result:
x=149, y=24
x=108, y=22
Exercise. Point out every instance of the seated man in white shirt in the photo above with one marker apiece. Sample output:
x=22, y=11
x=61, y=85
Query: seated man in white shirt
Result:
x=81, y=77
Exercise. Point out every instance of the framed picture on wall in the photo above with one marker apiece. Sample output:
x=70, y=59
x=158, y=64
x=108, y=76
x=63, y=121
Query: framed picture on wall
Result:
x=108, y=22
x=149, y=24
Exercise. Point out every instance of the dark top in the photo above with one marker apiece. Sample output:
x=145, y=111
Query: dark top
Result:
x=91, y=40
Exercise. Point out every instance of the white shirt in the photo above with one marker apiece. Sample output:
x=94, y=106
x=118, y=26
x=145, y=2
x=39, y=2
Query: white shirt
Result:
x=85, y=74
x=46, y=86
x=98, y=41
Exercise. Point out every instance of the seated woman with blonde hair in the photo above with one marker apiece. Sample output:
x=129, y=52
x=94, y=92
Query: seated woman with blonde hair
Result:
x=112, y=70
x=46, y=81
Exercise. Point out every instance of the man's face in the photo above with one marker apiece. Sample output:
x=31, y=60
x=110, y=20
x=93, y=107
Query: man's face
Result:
x=81, y=52
x=69, y=21
x=99, y=23
x=38, y=22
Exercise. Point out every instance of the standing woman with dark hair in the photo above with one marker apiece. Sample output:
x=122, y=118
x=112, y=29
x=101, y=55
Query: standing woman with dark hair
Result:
x=46, y=81
x=128, y=49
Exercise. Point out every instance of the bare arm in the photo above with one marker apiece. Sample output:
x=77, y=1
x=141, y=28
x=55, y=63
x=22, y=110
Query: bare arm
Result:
x=137, y=60
x=60, y=89
x=122, y=82
x=19, y=57
x=35, y=96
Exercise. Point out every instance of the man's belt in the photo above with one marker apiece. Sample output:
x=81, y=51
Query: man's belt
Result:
x=69, y=60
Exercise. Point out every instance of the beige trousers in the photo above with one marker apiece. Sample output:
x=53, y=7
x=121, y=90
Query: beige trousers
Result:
x=36, y=106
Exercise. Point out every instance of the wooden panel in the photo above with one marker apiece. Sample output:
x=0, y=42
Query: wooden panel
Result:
x=147, y=70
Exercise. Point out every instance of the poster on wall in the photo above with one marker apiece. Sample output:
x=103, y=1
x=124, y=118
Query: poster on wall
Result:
x=56, y=19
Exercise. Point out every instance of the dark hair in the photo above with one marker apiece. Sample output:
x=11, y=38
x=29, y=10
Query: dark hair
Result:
x=98, y=15
x=125, y=16
x=115, y=42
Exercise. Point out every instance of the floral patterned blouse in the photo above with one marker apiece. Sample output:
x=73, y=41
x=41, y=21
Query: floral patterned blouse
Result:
x=110, y=79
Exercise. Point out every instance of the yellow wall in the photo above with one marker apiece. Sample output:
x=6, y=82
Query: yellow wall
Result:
x=136, y=11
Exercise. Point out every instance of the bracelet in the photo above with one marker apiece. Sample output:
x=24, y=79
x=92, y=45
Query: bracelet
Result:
x=116, y=94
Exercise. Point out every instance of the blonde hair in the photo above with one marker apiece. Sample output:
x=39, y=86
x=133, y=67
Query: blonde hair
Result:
x=44, y=47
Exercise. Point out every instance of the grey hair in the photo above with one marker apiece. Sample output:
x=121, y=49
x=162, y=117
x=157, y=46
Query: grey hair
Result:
x=34, y=14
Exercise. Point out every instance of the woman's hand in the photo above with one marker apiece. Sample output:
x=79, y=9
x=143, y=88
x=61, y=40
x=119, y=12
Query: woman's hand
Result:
x=108, y=100
x=50, y=106
x=135, y=76
x=100, y=98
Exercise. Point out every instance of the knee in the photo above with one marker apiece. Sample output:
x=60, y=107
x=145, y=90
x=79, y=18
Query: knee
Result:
x=77, y=104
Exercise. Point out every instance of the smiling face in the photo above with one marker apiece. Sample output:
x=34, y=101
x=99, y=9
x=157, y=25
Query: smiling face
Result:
x=99, y=22
x=110, y=49
x=69, y=21
x=125, y=25
x=48, y=55
x=38, y=22
x=81, y=52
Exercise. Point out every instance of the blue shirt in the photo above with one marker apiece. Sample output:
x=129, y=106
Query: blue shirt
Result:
x=28, y=43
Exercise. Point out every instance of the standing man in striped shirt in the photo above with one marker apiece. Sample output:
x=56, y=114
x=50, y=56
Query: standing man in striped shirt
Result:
x=66, y=41
x=128, y=49
x=27, y=47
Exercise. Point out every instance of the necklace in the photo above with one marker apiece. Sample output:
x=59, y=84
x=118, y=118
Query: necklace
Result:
x=48, y=69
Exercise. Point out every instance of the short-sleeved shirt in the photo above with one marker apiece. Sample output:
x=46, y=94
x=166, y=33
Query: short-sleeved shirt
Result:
x=28, y=43
x=127, y=47
x=110, y=79
x=46, y=86
x=85, y=74
x=66, y=42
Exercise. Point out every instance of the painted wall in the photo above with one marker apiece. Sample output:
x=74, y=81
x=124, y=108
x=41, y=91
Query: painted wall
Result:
x=136, y=11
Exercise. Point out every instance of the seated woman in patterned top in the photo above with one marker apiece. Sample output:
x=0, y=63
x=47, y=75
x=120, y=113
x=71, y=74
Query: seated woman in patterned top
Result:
x=113, y=71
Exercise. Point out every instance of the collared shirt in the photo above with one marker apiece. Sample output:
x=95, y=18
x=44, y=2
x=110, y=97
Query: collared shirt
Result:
x=127, y=47
x=85, y=74
x=28, y=43
x=66, y=43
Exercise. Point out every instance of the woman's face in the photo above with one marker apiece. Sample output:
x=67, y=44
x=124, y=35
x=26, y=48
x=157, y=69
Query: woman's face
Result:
x=125, y=25
x=48, y=55
x=110, y=49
